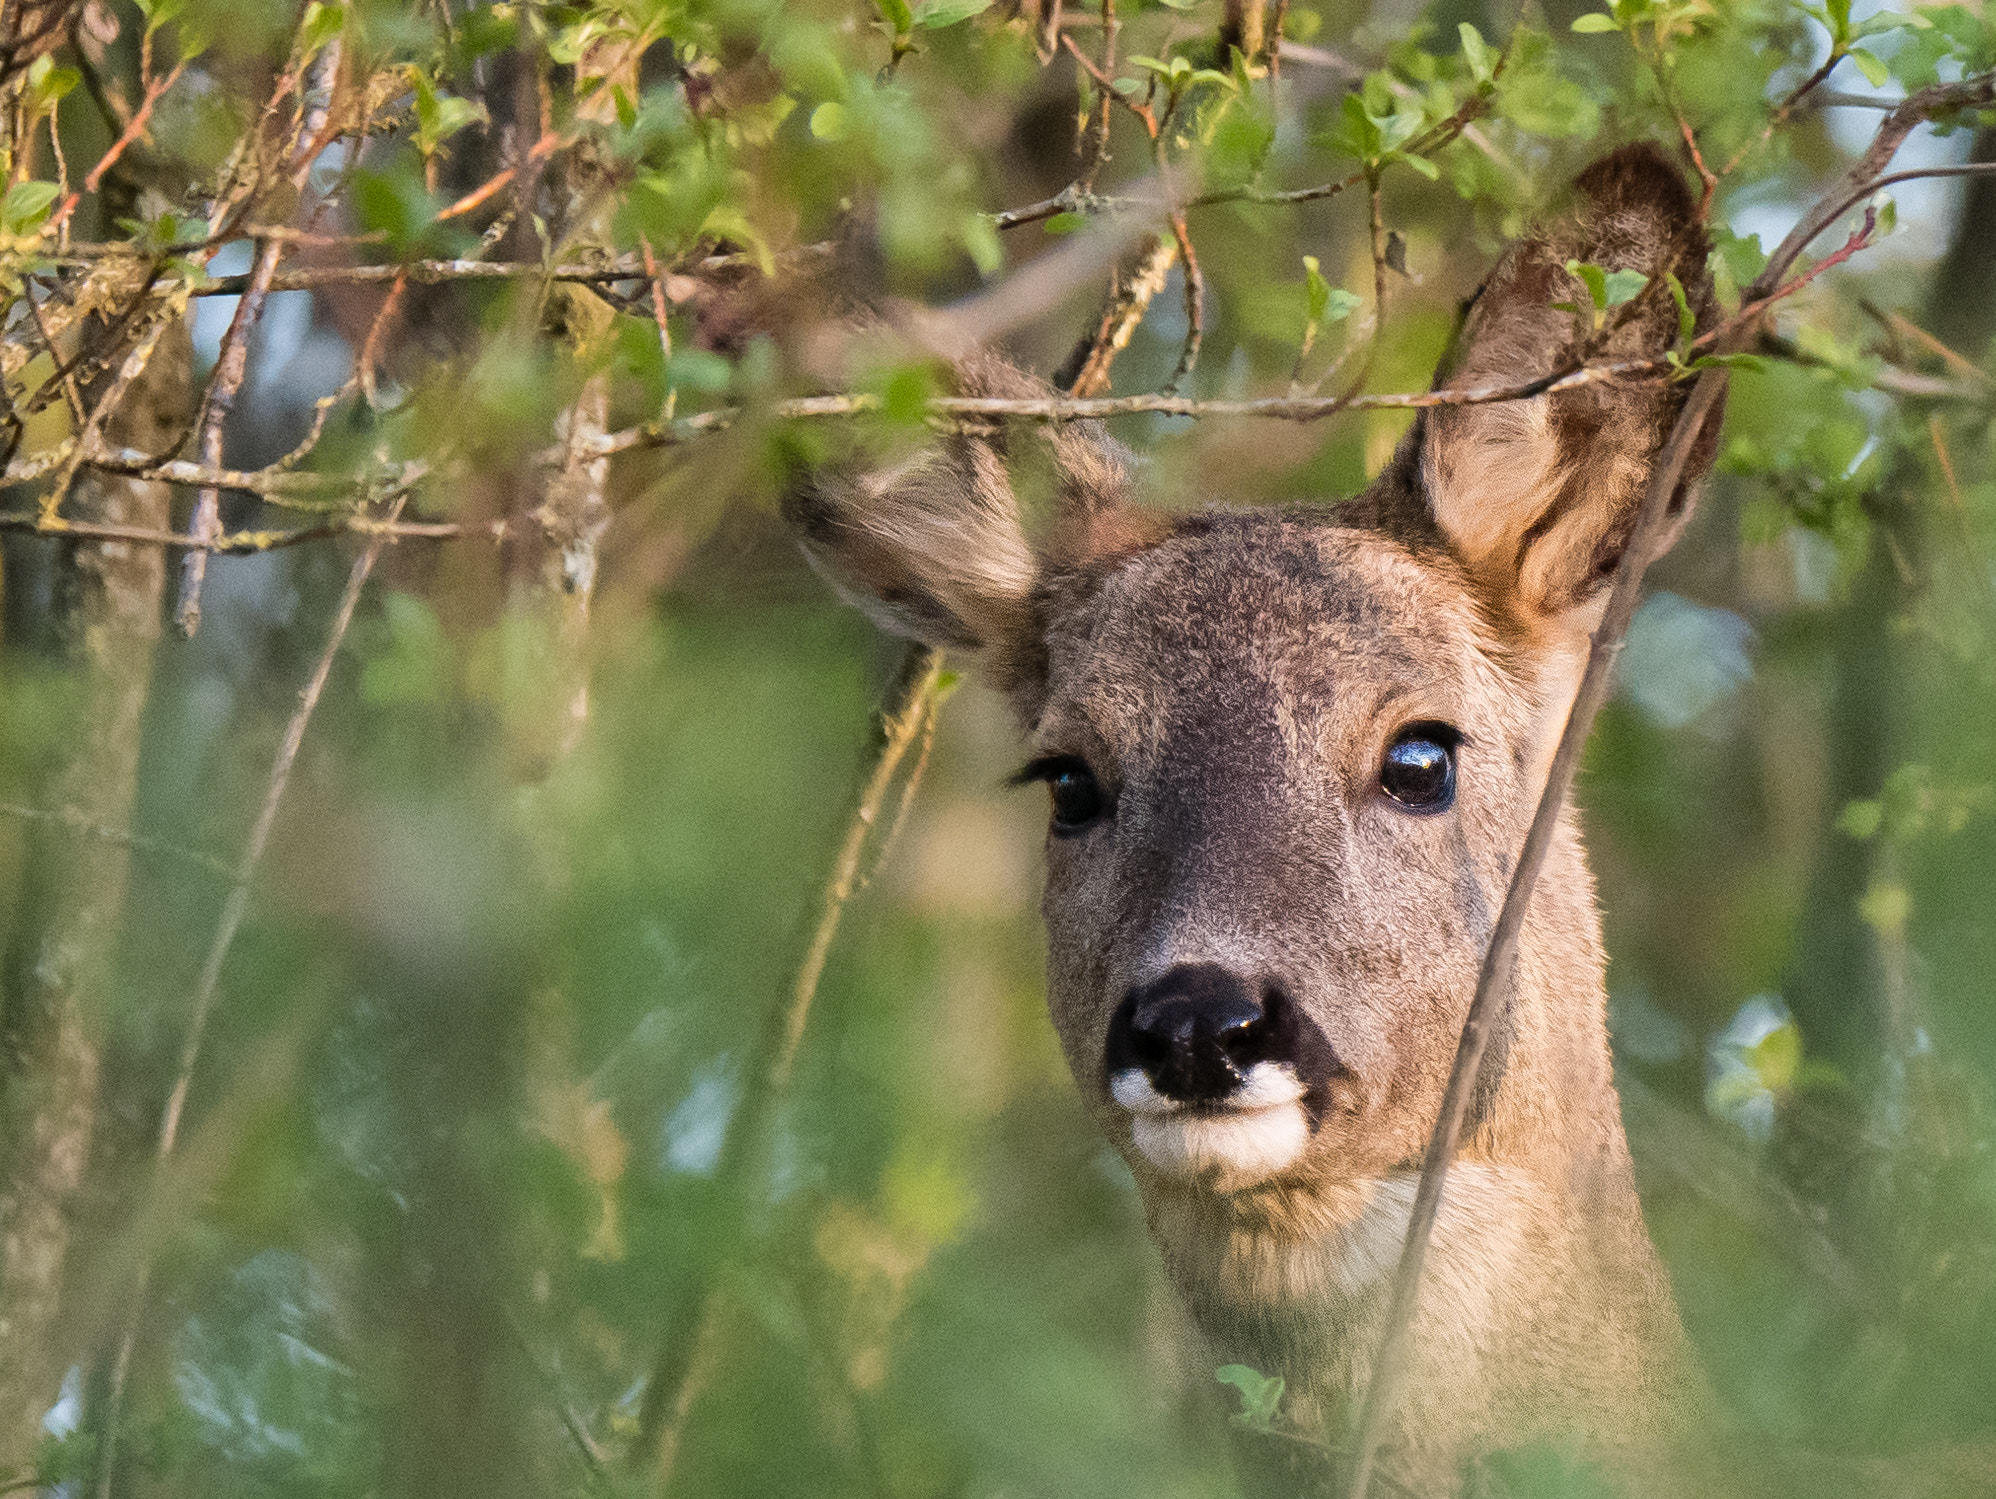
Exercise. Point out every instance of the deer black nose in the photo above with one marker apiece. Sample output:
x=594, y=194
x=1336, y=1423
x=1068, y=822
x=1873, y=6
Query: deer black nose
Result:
x=1195, y=1031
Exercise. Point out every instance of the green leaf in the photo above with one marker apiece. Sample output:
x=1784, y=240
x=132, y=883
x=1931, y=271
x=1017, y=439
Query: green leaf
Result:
x=1261, y=1394
x=321, y=24
x=1595, y=21
x=48, y=83
x=1420, y=164
x=980, y=238
x=1360, y=135
x=1316, y=290
x=1777, y=1057
x=1885, y=907
x=1065, y=223
x=897, y=14
x=949, y=12
x=1476, y=52
x=1687, y=320
x=1622, y=286
x=699, y=369
x=904, y=398
x=1593, y=278
x=26, y=206
x=1753, y=362
x=440, y=116
x=1874, y=70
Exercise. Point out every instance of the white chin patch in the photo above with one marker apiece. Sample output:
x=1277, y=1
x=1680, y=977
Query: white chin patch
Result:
x=1262, y=1128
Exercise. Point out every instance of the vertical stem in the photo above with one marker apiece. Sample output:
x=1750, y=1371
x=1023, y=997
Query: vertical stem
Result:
x=110, y=628
x=234, y=907
x=687, y=1350
x=1493, y=983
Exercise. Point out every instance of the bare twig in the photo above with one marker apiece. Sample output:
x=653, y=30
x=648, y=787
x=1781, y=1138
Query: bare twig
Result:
x=219, y=400
x=1136, y=288
x=687, y=1349
x=1784, y=109
x=69, y=817
x=234, y=906
x=1495, y=978
x=500, y=181
x=1195, y=306
x=135, y=128
x=1098, y=156
x=1867, y=175
x=1493, y=984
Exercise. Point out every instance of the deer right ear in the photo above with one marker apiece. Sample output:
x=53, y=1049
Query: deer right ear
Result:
x=934, y=550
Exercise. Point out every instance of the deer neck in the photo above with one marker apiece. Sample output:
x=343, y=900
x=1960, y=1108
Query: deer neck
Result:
x=1538, y=1260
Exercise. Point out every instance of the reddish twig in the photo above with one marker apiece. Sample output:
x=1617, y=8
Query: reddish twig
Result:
x=377, y=332
x=1783, y=110
x=500, y=181
x=134, y=129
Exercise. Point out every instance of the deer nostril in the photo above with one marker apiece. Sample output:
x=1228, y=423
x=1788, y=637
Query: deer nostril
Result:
x=1196, y=1032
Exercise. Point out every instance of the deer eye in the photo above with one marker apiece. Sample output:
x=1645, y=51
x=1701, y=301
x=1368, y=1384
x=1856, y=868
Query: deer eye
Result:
x=1077, y=795
x=1419, y=769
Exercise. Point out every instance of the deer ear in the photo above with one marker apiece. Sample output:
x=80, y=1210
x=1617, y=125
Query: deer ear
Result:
x=1537, y=497
x=936, y=549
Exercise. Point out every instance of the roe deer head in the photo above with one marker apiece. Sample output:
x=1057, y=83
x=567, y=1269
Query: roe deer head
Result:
x=1292, y=756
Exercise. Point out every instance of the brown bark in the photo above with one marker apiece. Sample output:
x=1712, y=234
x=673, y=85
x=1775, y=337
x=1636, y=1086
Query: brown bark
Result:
x=51, y=1012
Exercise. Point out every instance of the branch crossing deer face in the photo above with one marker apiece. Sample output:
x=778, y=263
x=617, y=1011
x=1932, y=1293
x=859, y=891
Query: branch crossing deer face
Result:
x=1291, y=757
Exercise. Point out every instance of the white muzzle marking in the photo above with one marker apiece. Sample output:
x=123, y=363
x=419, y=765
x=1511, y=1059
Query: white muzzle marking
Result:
x=1261, y=1129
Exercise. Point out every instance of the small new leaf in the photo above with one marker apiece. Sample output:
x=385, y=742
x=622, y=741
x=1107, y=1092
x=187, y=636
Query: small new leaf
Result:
x=26, y=206
x=1476, y=53
x=1595, y=21
x=1874, y=70
x=1261, y=1395
x=440, y=116
x=1687, y=320
x=1316, y=290
x=948, y=12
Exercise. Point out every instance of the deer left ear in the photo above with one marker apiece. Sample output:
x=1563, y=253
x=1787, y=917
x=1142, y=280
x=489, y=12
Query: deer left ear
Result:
x=1538, y=497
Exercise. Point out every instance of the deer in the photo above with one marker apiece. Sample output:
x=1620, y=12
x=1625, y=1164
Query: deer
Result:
x=1291, y=755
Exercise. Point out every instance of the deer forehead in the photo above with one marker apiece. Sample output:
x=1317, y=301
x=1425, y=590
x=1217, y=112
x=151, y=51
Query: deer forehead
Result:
x=1249, y=626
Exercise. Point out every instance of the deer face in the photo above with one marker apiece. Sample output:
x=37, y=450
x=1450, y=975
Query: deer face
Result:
x=1291, y=755
x=1286, y=764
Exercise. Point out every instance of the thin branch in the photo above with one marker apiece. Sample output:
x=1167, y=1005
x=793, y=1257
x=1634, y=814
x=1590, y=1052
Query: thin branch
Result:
x=1099, y=152
x=246, y=543
x=686, y=1353
x=440, y=272
x=1495, y=979
x=1131, y=297
x=500, y=181
x=1493, y=984
x=220, y=399
x=69, y=817
x=1784, y=109
x=1958, y=508
x=135, y=128
x=1866, y=175
x=234, y=907
x=1195, y=306
x=1898, y=323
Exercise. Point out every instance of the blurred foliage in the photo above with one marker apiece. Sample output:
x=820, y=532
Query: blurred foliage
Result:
x=456, y=1145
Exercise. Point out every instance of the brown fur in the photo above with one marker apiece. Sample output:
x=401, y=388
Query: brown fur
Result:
x=1233, y=680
